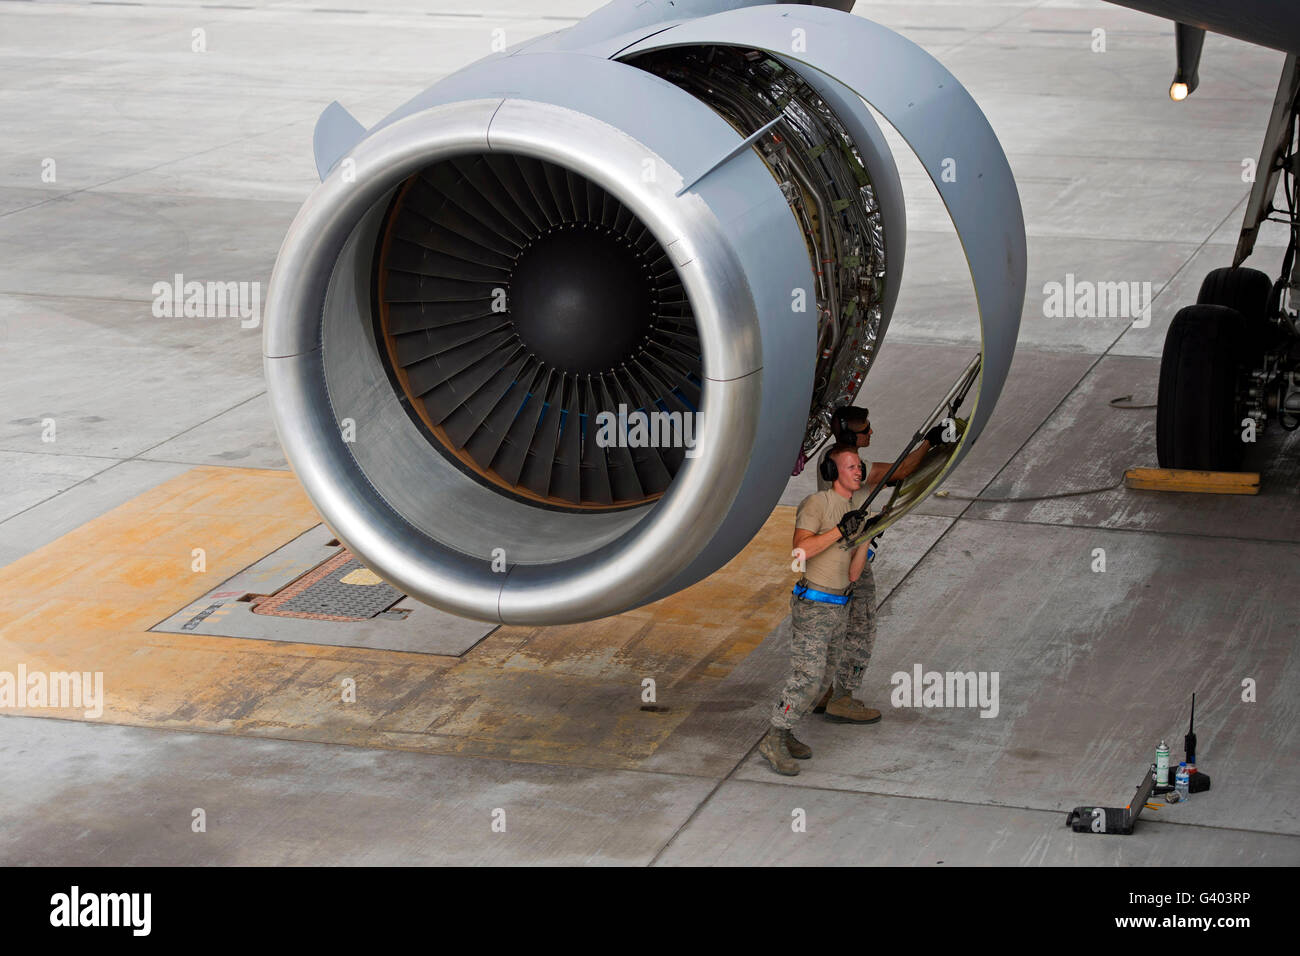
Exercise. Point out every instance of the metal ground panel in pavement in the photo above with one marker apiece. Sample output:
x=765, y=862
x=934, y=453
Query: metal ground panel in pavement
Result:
x=227, y=610
x=341, y=589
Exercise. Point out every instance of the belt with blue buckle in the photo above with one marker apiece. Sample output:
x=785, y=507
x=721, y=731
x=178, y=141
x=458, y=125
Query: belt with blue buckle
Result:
x=802, y=590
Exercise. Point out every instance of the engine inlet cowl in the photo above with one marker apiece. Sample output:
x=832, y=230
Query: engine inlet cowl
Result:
x=497, y=277
x=546, y=343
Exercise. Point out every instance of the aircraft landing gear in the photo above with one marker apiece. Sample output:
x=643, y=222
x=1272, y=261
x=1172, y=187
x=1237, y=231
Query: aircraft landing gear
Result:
x=1231, y=362
x=1212, y=351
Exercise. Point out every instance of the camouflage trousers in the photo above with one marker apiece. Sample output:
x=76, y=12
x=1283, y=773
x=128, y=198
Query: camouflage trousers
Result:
x=829, y=642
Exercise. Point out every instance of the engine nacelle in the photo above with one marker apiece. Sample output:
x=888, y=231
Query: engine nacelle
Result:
x=546, y=343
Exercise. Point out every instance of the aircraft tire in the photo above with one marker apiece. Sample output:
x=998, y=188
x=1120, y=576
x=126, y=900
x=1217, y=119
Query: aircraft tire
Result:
x=1249, y=291
x=1198, y=420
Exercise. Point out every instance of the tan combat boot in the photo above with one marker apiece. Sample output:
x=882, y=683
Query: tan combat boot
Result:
x=773, y=748
x=798, y=749
x=844, y=709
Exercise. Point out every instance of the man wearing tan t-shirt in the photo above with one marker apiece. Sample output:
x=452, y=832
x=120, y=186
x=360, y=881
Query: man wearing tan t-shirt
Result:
x=833, y=610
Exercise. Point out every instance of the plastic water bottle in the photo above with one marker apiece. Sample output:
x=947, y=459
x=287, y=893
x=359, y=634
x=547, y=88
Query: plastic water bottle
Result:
x=1181, y=781
x=871, y=549
x=1162, y=765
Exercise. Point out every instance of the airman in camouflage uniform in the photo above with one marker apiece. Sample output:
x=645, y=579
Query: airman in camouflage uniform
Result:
x=847, y=659
x=831, y=642
x=830, y=648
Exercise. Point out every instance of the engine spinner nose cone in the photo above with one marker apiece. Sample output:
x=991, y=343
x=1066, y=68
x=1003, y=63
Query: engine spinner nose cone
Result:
x=581, y=298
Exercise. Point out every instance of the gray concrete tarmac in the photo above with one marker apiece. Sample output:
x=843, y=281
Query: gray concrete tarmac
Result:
x=168, y=161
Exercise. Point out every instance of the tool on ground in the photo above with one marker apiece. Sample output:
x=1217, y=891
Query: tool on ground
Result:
x=1187, y=781
x=1113, y=819
x=945, y=409
x=1197, y=780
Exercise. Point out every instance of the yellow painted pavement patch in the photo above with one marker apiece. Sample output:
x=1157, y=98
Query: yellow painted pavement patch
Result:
x=362, y=577
x=568, y=694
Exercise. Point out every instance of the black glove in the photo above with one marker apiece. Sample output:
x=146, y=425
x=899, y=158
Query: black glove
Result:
x=935, y=435
x=851, y=524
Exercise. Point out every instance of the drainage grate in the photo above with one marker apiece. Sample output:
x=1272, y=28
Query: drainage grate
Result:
x=340, y=589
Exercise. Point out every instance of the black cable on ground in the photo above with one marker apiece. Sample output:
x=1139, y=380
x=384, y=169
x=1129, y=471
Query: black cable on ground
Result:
x=1062, y=494
x=1114, y=403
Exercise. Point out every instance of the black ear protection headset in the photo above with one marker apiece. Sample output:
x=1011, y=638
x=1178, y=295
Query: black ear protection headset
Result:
x=828, y=469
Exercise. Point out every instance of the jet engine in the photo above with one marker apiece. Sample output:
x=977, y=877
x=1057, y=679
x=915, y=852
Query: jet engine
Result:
x=547, y=342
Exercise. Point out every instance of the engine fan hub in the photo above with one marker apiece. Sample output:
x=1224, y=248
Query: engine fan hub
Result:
x=581, y=299
x=519, y=305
